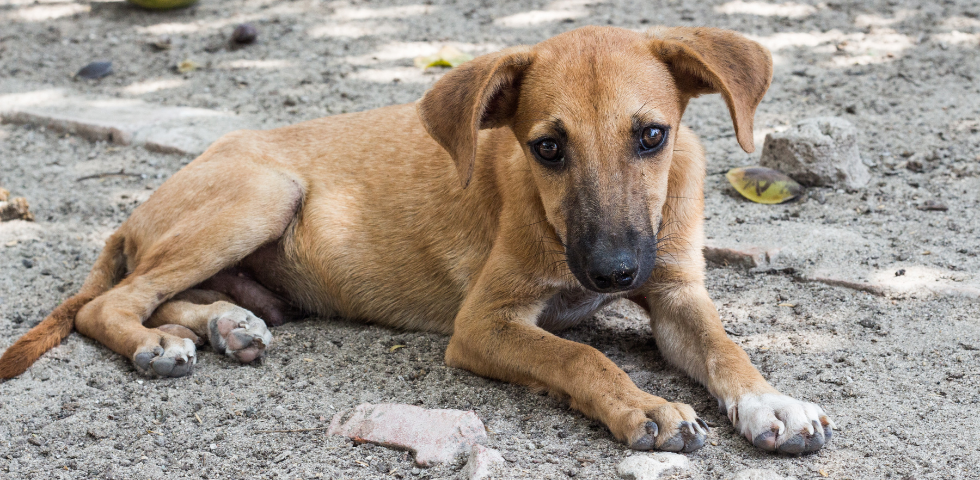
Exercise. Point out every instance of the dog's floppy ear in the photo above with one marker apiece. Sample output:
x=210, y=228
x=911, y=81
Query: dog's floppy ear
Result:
x=711, y=60
x=481, y=93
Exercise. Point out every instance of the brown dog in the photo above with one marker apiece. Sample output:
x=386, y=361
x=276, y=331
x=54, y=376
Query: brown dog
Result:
x=524, y=191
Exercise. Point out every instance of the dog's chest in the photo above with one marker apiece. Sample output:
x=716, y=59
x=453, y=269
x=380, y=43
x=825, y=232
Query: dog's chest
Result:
x=570, y=307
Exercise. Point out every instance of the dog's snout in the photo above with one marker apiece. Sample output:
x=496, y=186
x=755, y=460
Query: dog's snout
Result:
x=614, y=272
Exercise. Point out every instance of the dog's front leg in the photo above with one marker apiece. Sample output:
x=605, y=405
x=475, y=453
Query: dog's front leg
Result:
x=495, y=336
x=690, y=335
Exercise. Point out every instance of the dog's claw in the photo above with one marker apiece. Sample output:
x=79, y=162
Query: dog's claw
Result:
x=704, y=425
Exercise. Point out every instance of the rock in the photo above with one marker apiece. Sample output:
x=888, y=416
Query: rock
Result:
x=818, y=152
x=651, y=466
x=434, y=436
x=481, y=463
x=14, y=209
x=750, y=258
x=760, y=474
x=181, y=130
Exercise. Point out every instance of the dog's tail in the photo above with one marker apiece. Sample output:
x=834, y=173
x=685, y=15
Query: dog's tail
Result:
x=108, y=270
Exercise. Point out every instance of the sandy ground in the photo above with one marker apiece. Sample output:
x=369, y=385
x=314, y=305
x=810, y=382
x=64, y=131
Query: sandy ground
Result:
x=899, y=375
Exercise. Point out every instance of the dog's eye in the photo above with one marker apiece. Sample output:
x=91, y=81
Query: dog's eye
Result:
x=548, y=150
x=652, y=138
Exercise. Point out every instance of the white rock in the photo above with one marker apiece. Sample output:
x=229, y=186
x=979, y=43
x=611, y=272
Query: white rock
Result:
x=818, y=151
x=435, y=436
x=648, y=466
x=481, y=463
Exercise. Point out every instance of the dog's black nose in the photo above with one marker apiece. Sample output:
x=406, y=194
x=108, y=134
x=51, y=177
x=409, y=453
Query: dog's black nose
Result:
x=617, y=274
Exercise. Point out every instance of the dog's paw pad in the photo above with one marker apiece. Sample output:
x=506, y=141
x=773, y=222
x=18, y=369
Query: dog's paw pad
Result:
x=649, y=439
x=175, y=357
x=775, y=422
x=690, y=436
x=239, y=334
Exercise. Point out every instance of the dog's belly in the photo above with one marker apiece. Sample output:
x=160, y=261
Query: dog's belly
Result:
x=570, y=307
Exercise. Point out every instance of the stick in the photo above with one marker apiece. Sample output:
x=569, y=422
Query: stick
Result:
x=120, y=173
x=295, y=430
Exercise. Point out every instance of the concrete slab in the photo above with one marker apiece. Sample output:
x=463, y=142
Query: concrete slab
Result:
x=182, y=130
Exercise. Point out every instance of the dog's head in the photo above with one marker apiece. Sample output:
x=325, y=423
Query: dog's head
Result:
x=597, y=110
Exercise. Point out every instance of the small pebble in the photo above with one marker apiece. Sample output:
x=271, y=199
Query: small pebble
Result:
x=95, y=70
x=244, y=34
x=27, y=263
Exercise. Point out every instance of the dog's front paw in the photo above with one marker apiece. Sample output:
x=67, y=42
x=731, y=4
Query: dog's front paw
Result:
x=239, y=334
x=167, y=356
x=776, y=422
x=671, y=427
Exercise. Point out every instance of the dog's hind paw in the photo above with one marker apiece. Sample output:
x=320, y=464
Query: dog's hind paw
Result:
x=171, y=357
x=776, y=422
x=239, y=334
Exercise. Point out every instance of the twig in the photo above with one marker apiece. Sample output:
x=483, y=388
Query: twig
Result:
x=295, y=430
x=120, y=173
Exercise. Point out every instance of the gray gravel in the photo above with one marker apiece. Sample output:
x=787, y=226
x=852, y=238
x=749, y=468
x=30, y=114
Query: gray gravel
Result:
x=899, y=375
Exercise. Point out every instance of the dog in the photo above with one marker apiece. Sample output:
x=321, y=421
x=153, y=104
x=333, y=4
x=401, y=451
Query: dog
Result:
x=523, y=192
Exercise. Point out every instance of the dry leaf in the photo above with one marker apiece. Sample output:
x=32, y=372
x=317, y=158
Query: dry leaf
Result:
x=763, y=185
x=396, y=347
x=448, y=56
x=787, y=305
x=188, y=66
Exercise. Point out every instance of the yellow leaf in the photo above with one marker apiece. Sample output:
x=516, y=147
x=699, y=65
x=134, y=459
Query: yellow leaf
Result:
x=396, y=347
x=188, y=66
x=823, y=473
x=763, y=185
x=787, y=305
x=448, y=56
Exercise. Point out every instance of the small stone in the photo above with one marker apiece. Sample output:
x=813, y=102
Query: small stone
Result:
x=760, y=474
x=481, y=463
x=819, y=151
x=95, y=70
x=435, y=436
x=27, y=263
x=244, y=34
x=651, y=466
x=15, y=209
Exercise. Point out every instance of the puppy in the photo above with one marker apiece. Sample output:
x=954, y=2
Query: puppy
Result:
x=526, y=190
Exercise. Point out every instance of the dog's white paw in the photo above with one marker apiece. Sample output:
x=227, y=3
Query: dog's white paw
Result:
x=776, y=422
x=239, y=334
x=173, y=357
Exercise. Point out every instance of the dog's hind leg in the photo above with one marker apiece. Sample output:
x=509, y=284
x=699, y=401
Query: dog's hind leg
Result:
x=207, y=315
x=209, y=216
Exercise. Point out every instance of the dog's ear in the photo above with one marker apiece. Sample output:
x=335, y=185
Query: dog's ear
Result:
x=481, y=93
x=711, y=60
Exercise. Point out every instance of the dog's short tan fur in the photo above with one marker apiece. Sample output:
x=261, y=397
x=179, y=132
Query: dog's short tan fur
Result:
x=437, y=216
